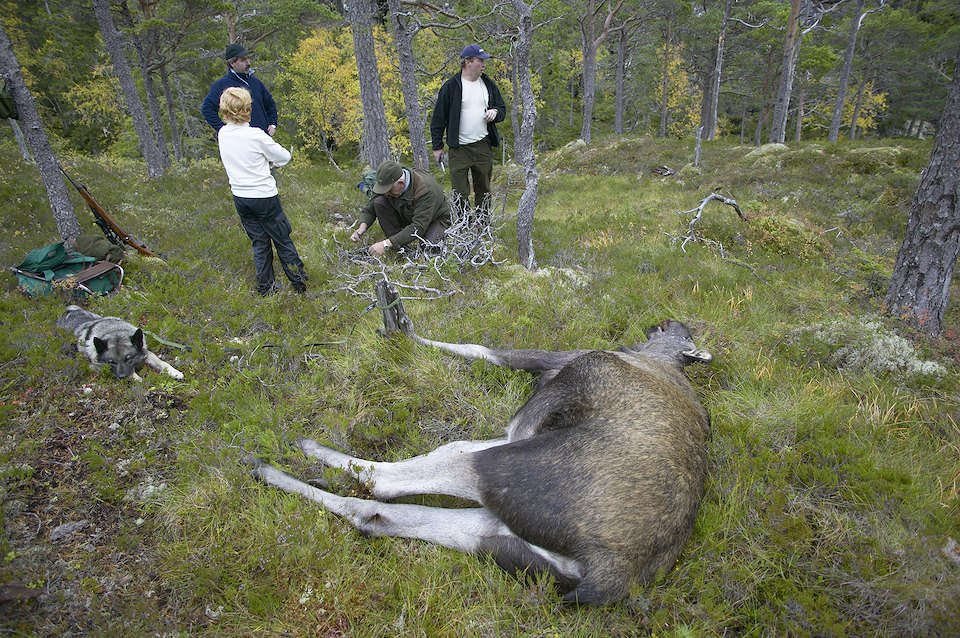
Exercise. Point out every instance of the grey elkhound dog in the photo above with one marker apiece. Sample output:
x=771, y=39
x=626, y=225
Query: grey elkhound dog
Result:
x=114, y=342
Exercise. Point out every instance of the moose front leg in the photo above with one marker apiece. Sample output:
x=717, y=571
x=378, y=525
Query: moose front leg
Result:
x=447, y=470
x=464, y=530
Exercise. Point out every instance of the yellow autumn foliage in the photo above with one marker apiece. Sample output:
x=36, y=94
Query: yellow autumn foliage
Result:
x=324, y=93
x=872, y=104
x=683, y=100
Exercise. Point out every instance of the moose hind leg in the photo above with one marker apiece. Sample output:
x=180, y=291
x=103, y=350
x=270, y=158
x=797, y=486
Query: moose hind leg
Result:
x=606, y=580
x=522, y=559
x=461, y=529
x=447, y=470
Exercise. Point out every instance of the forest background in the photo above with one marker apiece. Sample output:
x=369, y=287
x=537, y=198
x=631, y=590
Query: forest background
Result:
x=660, y=67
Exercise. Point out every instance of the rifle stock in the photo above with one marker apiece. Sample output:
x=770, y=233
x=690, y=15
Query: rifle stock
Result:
x=105, y=222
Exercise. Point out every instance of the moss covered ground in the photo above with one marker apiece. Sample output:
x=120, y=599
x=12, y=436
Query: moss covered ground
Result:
x=832, y=506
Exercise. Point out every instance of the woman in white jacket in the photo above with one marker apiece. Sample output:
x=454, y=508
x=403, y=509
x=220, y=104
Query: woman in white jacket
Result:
x=248, y=154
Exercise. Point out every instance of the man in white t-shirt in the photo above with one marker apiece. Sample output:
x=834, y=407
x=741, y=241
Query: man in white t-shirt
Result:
x=468, y=107
x=248, y=154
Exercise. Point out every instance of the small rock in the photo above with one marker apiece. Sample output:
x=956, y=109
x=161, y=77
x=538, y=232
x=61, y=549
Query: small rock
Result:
x=952, y=550
x=61, y=532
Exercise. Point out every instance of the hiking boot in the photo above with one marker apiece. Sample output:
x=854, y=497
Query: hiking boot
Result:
x=272, y=289
x=300, y=288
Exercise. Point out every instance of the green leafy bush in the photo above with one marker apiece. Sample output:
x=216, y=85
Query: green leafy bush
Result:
x=784, y=236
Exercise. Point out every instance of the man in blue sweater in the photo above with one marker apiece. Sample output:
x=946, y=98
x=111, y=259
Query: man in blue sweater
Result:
x=239, y=74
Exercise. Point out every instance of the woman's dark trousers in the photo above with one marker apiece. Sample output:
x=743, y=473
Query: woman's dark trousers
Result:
x=265, y=222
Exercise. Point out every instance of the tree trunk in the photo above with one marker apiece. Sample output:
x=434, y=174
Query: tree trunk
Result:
x=592, y=37
x=706, y=102
x=857, y=106
x=111, y=37
x=403, y=31
x=920, y=287
x=665, y=80
x=171, y=113
x=515, y=104
x=145, y=45
x=57, y=194
x=845, y=71
x=524, y=143
x=712, y=98
x=800, y=100
x=620, y=81
x=758, y=134
x=375, y=141
x=589, y=90
x=791, y=49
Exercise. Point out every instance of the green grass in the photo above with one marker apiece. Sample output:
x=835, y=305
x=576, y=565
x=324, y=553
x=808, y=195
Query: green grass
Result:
x=831, y=492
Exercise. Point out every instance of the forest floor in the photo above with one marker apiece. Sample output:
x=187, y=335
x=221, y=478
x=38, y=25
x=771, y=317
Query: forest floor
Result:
x=832, y=506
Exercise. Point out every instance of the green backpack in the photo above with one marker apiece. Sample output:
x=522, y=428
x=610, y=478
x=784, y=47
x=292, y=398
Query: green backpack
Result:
x=52, y=267
x=367, y=183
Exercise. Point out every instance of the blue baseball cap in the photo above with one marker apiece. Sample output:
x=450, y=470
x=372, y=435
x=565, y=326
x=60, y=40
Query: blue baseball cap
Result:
x=474, y=51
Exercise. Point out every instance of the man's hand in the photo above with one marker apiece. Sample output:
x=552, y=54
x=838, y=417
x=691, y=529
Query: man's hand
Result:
x=490, y=115
x=355, y=237
x=438, y=155
x=271, y=130
x=378, y=249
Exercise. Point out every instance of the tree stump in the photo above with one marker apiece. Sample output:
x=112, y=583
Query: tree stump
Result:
x=391, y=306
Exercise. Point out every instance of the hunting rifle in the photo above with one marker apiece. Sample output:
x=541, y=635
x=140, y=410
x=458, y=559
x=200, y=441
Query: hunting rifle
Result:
x=109, y=227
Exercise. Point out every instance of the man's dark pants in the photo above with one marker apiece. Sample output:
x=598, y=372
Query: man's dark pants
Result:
x=265, y=222
x=471, y=160
x=391, y=224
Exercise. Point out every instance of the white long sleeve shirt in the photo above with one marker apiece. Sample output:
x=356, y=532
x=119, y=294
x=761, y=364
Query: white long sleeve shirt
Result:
x=247, y=154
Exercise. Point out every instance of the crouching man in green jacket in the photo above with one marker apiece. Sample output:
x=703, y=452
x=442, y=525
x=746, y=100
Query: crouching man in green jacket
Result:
x=405, y=201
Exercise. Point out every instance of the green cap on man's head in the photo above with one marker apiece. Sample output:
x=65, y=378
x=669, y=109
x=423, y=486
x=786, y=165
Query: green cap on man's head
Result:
x=234, y=51
x=387, y=174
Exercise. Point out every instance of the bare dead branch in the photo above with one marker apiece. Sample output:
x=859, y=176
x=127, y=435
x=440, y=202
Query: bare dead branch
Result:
x=469, y=243
x=691, y=233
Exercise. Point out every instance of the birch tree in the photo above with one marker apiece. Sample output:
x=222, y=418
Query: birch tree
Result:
x=57, y=194
x=523, y=146
x=711, y=94
x=788, y=60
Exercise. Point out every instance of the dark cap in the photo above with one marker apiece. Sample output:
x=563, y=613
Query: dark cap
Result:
x=474, y=51
x=234, y=51
x=387, y=175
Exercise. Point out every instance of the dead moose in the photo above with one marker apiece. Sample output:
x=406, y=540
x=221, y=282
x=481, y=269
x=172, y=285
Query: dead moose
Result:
x=597, y=481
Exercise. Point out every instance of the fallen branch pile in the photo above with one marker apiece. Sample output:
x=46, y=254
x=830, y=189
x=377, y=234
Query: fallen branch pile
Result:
x=416, y=268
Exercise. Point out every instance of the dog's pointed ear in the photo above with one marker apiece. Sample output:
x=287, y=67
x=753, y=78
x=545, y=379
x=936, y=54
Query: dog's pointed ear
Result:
x=137, y=339
x=100, y=344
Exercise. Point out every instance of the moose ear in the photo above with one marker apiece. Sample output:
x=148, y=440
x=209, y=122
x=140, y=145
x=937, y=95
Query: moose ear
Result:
x=137, y=339
x=696, y=355
x=652, y=330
